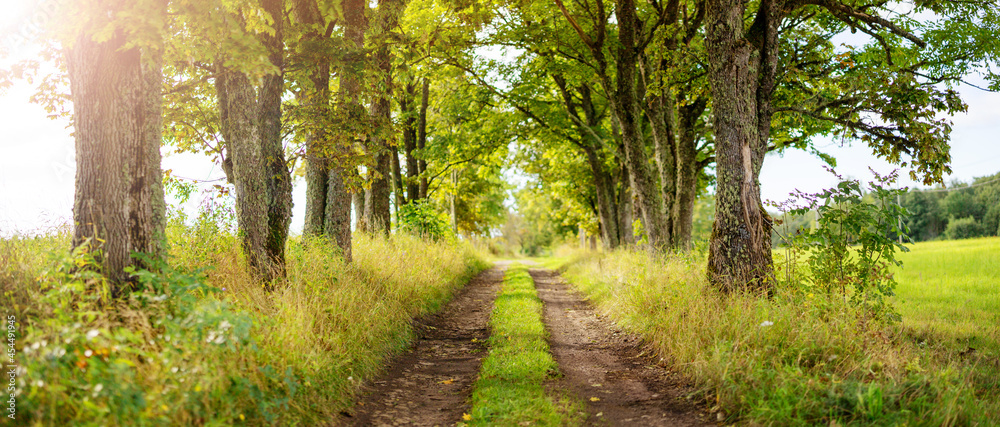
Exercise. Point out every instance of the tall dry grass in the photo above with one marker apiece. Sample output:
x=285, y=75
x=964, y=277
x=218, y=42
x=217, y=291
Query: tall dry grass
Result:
x=800, y=358
x=203, y=344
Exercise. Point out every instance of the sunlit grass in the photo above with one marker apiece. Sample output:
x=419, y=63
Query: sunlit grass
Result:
x=511, y=385
x=951, y=289
x=801, y=358
x=225, y=352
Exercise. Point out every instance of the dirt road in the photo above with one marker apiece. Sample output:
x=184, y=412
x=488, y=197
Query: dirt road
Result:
x=620, y=380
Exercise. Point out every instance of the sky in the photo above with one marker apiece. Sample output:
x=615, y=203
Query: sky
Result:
x=37, y=163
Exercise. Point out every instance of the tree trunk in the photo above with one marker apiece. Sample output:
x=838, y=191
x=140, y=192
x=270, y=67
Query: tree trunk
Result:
x=118, y=204
x=422, y=137
x=627, y=110
x=358, y=200
x=279, y=179
x=377, y=214
x=606, y=199
x=397, y=179
x=337, y=215
x=377, y=209
x=740, y=249
x=661, y=115
x=660, y=112
x=317, y=145
x=410, y=144
x=239, y=114
x=250, y=122
x=687, y=172
x=626, y=234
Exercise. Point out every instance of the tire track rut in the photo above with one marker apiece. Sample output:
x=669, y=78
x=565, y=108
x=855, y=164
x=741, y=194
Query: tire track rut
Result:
x=618, y=377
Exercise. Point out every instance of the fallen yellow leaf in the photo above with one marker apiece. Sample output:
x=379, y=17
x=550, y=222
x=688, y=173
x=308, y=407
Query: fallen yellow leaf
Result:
x=466, y=417
x=446, y=382
x=595, y=399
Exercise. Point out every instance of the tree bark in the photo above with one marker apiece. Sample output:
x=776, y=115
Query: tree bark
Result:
x=741, y=71
x=377, y=210
x=627, y=110
x=279, y=178
x=358, y=200
x=118, y=205
x=318, y=147
x=687, y=172
x=422, y=137
x=397, y=179
x=337, y=215
x=626, y=233
x=238, y=114
x=410, y=143
x=250, y=123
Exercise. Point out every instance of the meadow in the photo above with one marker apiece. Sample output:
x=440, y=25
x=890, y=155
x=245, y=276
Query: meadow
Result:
x=805, y=357
x=950, y=289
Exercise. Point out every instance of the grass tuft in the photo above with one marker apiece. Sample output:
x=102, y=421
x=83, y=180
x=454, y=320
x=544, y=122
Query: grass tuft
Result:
x=511, y=385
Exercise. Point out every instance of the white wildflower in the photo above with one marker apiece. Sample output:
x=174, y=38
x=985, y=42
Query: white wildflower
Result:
x=766, y=323
x=93, y=333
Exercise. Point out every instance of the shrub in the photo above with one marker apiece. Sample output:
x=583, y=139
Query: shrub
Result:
x=854, y=246
x=963, y=228
x=421, y=219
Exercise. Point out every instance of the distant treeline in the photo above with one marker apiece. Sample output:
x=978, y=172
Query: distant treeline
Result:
x=960, y=211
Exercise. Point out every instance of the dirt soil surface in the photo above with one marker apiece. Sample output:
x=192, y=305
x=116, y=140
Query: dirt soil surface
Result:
x=430, y=384
x=621, y=380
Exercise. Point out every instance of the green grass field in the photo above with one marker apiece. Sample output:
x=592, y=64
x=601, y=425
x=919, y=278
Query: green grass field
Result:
x=951, y=289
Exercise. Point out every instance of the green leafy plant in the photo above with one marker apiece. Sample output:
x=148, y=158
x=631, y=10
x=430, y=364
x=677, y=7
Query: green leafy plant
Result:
x=421, y=219
x=854, y=246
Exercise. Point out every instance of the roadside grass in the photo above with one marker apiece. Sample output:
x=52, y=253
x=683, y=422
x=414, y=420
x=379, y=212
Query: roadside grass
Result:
x=950, y=290
x=201, y=344
x=511, y=385
x=799, y=358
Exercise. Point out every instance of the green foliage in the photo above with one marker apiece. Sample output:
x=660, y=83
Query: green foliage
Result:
x=511, y=385
x=86, y=351
x=964, y=228
x=853, y=248
x=932, y=211
x=420, y=218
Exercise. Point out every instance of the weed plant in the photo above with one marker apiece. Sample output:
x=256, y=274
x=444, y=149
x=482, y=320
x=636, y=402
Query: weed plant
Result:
x=200, y=343
x=799, y=358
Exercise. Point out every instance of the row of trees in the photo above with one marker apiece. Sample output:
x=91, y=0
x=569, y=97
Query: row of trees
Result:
x=643, y=98
x=621, y=109
x=271, y=89
x=960, y=211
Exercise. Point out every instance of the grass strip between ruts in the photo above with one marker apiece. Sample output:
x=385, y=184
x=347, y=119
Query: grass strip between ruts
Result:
x=511, y=385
